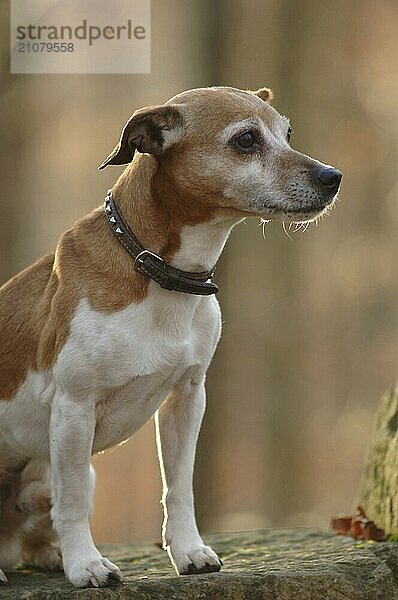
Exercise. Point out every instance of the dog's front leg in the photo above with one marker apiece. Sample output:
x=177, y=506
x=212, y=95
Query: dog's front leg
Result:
x=71, y=436
x=178, y=422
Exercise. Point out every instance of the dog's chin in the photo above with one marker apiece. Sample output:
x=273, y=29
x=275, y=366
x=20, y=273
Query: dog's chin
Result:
x=297, y=215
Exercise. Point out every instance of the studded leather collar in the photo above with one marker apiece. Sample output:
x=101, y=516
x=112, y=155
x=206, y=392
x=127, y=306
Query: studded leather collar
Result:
x=150, y=264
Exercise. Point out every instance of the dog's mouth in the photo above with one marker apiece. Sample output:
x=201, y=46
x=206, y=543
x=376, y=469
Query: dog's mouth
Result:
x=297, y=212
x=296, y=207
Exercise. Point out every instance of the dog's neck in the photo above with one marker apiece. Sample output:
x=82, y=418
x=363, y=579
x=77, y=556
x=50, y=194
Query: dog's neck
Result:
x=188, y=234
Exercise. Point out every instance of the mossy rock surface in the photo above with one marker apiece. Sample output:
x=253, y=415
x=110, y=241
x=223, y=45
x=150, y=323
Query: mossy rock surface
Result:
x=379, y=486
x=273, y=564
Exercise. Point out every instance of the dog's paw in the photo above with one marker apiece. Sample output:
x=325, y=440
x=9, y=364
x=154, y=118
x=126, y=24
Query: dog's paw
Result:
x=3, y=578
x=196, y=560
x=99, y=572
x=44, y=556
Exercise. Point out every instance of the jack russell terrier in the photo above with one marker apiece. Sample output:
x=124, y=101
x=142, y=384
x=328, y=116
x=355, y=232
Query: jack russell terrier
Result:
x=121, y=323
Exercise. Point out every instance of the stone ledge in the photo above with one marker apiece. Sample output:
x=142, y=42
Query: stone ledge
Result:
x=274, y=564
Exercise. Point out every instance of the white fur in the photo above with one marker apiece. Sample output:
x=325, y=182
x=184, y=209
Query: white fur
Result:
x=172, y=136
x=251, y=182
x=202, y=244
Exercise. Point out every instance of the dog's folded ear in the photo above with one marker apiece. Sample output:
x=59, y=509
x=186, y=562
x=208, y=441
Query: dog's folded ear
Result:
x=150, y=130
x=265, y=94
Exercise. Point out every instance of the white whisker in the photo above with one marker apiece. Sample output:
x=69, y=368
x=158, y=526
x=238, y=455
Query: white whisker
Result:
x=285, y=230
x=263, y=223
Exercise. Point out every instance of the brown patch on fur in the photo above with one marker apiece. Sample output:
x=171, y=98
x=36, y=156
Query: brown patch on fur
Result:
x=43, y=504
x=23, y=312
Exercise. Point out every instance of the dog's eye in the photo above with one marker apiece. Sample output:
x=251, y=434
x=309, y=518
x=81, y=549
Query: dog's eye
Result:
x=246, y=142
x=289, y=134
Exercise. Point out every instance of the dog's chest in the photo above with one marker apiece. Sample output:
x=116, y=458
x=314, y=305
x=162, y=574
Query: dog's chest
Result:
x=146, y=338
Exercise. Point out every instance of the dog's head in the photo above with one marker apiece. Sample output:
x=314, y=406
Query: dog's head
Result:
x=230, y=148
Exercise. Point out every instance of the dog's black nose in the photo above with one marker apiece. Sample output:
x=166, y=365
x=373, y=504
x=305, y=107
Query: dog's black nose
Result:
x=329, y=177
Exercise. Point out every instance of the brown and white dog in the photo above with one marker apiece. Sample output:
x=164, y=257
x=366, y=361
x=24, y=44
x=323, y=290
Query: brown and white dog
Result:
x=91, y=348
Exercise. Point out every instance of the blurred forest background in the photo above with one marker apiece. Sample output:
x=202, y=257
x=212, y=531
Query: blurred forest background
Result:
x=310, y=335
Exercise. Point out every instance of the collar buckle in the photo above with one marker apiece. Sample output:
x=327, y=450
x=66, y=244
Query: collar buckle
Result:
x=139, y=260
